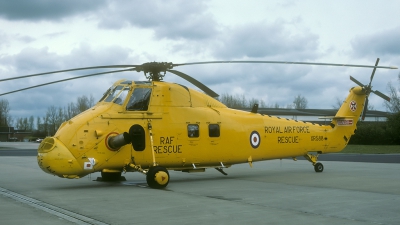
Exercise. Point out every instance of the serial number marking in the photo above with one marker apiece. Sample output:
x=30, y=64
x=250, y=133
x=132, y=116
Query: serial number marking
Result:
x=317, y=138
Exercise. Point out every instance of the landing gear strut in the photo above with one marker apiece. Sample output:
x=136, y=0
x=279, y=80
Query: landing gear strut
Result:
x=156, y=176
x=318, y=167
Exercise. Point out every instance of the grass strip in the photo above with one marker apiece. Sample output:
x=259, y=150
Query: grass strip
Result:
x=372, y=149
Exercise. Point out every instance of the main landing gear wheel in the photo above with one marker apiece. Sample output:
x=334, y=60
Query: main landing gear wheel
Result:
x=157, y=177
x=318, y=167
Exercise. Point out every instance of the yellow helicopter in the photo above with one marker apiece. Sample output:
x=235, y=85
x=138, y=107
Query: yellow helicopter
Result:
x=154, y=126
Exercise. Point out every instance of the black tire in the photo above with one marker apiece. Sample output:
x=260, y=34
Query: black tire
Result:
x=318, y=167
x=111, y=176
x=151, y=177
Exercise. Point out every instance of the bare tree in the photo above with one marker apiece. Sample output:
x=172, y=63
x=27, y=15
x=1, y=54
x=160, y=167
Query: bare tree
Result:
x=394, y=94
x=39, y=125
x=300, y=102
x=5, y=118
x=46, y=125
x=92, y=101
x=31, y=123
x=260, y=103
x=54, y=119
x=338, y=103
x=237, y=101
x=83, y=103
x=273, y=106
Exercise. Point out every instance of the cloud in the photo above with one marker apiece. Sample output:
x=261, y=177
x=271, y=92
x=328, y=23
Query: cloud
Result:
x=33, y=60
x=36, y=60
x=36, y=10
x=257, y=40
x=381, y=43
x=3, y=39
x=177, y=19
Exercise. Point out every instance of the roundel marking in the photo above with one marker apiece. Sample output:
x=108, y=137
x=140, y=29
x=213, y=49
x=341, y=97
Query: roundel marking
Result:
x=255, y=139
x=353, y=106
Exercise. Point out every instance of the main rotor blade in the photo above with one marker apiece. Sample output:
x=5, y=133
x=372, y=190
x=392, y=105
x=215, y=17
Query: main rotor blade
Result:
x=195, y=82
x=75, y=69
x=380, y=94
x=286, y=62
x=73, y=78
x=356, y=81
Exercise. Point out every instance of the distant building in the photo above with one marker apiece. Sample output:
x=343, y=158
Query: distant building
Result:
x=5, y=133
x=10, y=134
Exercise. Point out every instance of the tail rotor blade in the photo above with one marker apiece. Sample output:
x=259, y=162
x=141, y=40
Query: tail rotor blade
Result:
x=365, y=109
x=380, y=94
x=373, y=72
x=356, y=81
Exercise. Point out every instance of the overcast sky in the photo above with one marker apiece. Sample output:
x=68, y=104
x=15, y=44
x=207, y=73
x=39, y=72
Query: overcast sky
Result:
x=43, y=35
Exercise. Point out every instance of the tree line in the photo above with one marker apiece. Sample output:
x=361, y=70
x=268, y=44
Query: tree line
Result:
x=240, y=102
x=48, y=124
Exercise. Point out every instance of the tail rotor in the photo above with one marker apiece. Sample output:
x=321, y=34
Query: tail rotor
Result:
x=368, y=89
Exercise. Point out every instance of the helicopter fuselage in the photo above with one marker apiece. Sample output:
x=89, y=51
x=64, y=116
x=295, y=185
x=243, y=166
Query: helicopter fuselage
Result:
x=182, y=129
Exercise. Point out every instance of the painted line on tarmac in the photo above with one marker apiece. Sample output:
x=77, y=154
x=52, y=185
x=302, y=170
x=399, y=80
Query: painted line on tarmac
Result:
x=57, y=211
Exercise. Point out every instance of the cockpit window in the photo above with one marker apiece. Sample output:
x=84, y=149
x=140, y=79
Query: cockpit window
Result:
x=106, y=93
x=117, y=95
x=113, y=93
x=120, y=99
x=139, y=100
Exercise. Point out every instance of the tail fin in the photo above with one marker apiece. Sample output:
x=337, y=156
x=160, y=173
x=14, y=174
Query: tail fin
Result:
x=344, y=123
x=352, y=107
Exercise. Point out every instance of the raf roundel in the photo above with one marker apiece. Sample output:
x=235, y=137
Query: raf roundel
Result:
x=353, y=106
x=255, y=139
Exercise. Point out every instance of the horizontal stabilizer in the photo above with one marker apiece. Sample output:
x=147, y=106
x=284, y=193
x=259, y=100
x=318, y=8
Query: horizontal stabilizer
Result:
x=335, y=117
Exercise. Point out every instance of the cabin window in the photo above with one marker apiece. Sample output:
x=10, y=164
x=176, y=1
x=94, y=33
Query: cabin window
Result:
x=213, y=130
x=193, y=130
x=139, y=100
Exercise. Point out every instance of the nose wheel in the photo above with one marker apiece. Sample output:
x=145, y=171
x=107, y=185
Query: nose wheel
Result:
x=318, y=167
x=157, y=177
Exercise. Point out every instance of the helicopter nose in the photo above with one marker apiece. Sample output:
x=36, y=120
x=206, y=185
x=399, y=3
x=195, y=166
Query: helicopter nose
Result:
x=55, y=158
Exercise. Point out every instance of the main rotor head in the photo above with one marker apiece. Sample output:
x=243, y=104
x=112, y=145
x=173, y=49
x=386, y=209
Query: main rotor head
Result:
x=154, y=71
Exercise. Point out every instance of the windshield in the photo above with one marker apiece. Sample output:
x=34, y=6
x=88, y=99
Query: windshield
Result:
x=120, y=98
x=116, y=94
x=139, y=100
x=106, y=93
